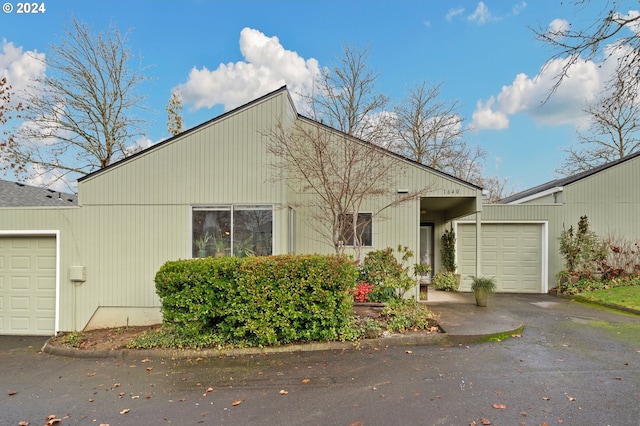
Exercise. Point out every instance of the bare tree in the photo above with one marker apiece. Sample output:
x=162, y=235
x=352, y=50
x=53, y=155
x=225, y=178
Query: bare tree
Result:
x=8, y=111
x=174, y=113
x=340, y=173
x=345, y=98
x=610, y=33
x=430, y=131
x=614, y=131
x=80, y=117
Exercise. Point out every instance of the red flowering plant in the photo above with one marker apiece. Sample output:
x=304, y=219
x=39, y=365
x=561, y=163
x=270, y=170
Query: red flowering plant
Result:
x=361, y=292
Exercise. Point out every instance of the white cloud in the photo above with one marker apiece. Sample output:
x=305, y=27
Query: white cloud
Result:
x=557, y=28
x=527, y=96
x=481, y=15
x=267, y=66
x=56, y=179
x=20, y=68
x=519, y=7
x=452, y=13
x=484, y=117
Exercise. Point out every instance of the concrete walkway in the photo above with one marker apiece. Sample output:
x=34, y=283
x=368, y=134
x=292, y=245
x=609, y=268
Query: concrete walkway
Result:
x=465, y=322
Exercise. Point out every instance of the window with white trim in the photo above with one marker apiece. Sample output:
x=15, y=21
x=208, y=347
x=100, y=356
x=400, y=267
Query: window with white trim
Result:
x=238, y=230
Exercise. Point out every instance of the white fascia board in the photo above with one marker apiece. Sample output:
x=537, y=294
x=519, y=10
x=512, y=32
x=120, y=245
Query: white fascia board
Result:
x=538, y=195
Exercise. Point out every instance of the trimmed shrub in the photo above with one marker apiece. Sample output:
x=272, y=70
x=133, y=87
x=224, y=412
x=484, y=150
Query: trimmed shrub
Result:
x=259, y=300
x=447, y=281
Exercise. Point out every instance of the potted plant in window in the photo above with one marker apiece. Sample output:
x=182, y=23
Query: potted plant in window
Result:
x=244, y=248
x=202, y=243
x=482, y=287
x=220, y=245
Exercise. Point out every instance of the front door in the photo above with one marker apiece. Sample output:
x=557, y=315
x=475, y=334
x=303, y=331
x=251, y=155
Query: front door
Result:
x=426, y=247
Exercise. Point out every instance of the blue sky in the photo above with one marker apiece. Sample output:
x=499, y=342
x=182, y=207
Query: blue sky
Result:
x=225, y=53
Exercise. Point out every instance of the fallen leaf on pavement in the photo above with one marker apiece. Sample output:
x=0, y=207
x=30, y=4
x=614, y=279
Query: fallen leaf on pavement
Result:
x=408, y=352
x=149, y=368
x=52, y=421
x=283, y=392
x=237, y=402
x=485, y=421
x=125, y=411
x=499, y=406
x=516, y=335
x=11, y=393
x=358, y=423
x=570, y=398
x=209, y=389
x=23, y=423
x=91, y=374
x=121, y=394
x=546, y=398
x=306, y=380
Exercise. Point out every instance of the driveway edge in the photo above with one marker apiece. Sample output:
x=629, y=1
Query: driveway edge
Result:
x=395, y=340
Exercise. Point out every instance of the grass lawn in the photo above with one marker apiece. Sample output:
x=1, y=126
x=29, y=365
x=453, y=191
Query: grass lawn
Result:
x=628, y=297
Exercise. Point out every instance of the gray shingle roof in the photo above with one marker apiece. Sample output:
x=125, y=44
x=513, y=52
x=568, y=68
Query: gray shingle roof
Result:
x=13, y=194
x=566, y=180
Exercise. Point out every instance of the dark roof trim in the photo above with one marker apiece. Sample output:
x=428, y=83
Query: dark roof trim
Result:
x=392, y=154
x=558, y=183
x=186, y=132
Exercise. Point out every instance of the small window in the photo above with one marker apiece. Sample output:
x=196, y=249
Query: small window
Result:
x=363, y=230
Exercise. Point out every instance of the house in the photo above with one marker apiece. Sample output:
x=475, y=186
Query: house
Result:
x=91, y=263
x=520, y=234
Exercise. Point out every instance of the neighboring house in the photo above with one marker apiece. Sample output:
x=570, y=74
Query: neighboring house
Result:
x=520, y=235
x=92, y=264
x=13, y=194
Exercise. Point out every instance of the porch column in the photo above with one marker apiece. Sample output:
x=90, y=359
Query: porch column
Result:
x=478, y=244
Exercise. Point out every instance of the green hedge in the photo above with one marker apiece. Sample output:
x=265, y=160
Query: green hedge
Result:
x=259, y=300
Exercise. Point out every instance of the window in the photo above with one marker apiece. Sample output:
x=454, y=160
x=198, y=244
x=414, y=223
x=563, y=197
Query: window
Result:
x=363, y=229
x=232, y=230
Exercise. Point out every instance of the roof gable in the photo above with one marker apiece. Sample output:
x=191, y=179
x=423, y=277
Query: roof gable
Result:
x=558, y=184
x=194, y=129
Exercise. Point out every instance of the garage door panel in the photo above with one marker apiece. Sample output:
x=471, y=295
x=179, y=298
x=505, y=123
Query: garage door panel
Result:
x=19, y=283
x=511, y=252
x=19, y=263
x=45, y=304
x=27, y=285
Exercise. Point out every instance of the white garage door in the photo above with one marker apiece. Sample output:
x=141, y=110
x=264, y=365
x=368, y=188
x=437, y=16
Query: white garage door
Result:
x=511, y=252
x=27, y=285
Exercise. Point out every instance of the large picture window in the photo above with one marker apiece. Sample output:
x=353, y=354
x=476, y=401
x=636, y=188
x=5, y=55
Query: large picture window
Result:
x=364, y=229
x=232, y=230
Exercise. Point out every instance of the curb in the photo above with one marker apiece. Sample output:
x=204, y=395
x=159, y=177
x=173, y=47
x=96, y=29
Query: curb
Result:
x=395, y=340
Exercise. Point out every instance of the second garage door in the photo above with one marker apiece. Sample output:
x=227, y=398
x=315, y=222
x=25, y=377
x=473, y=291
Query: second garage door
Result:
x=27, y=285
x=511, y=252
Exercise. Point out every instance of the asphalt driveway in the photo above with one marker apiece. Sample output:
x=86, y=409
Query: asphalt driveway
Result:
x=573, y=365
